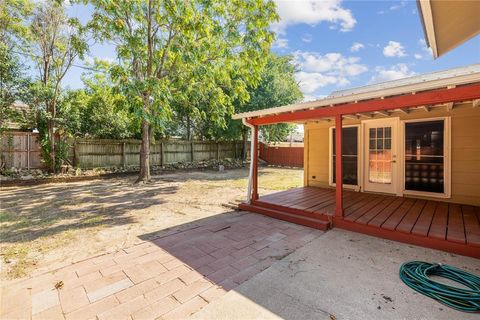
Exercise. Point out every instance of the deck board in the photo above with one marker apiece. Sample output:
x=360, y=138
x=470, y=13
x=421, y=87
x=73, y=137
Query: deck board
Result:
x=424, y=221
x=392, y=222
x=373, y=212
x=354, y=214
x=431, y=223
x=379, y=219
x=409, y=220
x=313, y=201
x=438, y=229
x=456, y=229
x=472, y=225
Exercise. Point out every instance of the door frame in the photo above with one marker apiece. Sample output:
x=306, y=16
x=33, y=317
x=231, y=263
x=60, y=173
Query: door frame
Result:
x=357, y=186
x=447, y=165
x=396, y=166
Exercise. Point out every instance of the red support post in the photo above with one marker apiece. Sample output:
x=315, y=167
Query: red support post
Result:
x=255, y=164
x=338, y=167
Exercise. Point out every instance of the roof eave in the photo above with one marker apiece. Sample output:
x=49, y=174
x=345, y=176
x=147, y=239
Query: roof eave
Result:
x=331, y=101
x=425, y=9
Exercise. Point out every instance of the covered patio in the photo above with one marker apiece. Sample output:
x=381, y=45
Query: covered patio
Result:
x=392, y=202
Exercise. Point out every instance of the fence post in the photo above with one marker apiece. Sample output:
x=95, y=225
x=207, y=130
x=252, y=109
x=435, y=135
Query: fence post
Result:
x=28, y=151
x=161, y=154
x=74, y=160
x=124, y=156
x=218, y=151
x=192, y=150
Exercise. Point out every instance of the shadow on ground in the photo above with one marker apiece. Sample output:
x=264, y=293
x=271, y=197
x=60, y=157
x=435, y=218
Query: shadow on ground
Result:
x=31, y=213
x=228, y=249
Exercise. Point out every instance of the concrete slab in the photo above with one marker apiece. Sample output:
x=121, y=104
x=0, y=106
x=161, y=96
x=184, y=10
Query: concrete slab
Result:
x=340, y=275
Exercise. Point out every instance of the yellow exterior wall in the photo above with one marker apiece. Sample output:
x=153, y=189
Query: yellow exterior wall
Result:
x=465, y=150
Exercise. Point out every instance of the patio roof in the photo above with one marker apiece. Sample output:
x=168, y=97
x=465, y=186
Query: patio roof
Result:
x=447, y=24
x=338, y=100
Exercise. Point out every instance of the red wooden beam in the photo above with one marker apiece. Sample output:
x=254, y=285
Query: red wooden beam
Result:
x=463, y=93
x=255, y=164
x=338, y=167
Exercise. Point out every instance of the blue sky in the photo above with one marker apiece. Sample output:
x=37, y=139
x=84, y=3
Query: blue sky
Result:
x=342, y=44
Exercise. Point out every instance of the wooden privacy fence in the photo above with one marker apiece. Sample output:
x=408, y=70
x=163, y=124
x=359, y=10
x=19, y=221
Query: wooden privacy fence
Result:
x=20, y=150
x=282, y=155
x=97, y=153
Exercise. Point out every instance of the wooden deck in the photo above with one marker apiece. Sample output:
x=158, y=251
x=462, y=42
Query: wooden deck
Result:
x=434, y=224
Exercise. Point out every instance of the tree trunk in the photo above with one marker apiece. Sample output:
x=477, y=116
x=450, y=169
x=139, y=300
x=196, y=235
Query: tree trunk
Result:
x=245, y=145
x=145, y=154
x=51, y=136
x=51, y=140
x=189, y=137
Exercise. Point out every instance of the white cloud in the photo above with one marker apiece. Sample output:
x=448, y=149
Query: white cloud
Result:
x=280, y=43
x=318, y=70
x=395, y=72
x=356, y=46
x=308, y=97
x=333, y=63
x=311, y=81
x=307, y=37
x=394, y=49
x=400, y=5
x=426, y=51
x=313, y=12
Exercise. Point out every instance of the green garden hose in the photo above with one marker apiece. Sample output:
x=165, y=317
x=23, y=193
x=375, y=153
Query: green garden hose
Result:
x=416, y=275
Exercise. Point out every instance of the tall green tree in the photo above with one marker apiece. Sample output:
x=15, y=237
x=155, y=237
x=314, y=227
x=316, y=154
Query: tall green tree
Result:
x=13, y=30
x=14, y=83
x=55, y=42
x=276, y=88
x=98, y=110
x=167, y=46
x=14, y=86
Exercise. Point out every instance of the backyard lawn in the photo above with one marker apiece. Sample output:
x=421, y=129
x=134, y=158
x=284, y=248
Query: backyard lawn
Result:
x=51, y=225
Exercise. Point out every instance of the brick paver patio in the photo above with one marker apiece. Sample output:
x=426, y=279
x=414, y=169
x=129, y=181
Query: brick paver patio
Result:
x=170, y=277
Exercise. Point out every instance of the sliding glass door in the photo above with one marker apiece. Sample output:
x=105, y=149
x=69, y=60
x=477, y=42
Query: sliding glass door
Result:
x=425, y=156
x=349, y=155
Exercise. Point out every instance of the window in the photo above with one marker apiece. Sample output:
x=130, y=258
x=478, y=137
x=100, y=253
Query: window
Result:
x=380, y=155
x=425, y=156
x=349, y=156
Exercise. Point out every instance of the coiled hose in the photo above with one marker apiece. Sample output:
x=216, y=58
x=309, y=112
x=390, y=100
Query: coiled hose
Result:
x=416, y=275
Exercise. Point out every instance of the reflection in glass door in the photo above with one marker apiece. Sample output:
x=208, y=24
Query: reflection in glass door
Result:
x=380, y=155
x=425, y=156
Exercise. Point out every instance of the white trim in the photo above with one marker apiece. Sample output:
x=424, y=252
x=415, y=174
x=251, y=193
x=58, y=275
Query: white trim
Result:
x=252, y=151
x=447, y=168
x=395, y=141
x=357, y=186
x=427, y=15
x=435, y=80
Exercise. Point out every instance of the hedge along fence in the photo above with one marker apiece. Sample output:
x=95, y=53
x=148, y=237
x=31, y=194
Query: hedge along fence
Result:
x=98, y=153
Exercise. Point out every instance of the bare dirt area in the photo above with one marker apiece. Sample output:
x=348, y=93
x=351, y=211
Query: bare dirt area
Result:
x=51, y=225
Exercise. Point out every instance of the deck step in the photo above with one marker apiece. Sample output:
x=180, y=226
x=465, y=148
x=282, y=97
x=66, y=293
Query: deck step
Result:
x=297, y=219
x=293, y=211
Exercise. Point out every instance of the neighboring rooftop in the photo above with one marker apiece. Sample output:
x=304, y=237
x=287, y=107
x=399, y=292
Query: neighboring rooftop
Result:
x=430, y=81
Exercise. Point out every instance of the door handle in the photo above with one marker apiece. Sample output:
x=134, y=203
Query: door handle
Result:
x=393, y=161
